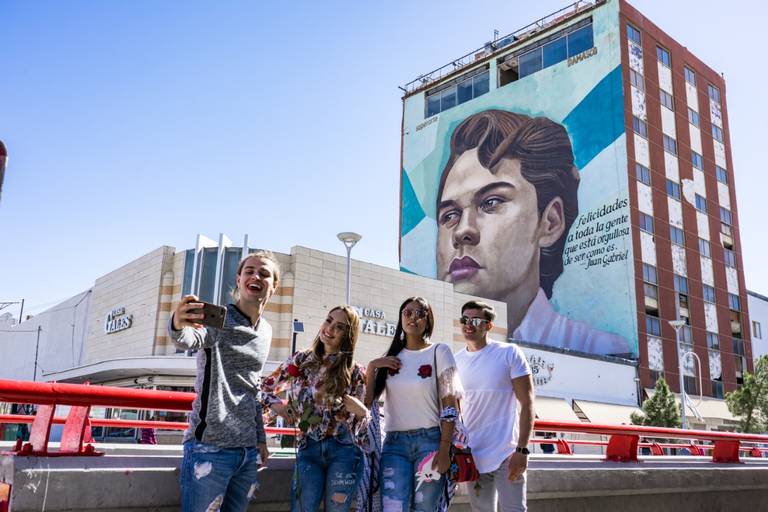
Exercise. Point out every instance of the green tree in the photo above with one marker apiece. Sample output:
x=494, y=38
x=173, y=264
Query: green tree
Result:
x=660, y=410
x=750, y=401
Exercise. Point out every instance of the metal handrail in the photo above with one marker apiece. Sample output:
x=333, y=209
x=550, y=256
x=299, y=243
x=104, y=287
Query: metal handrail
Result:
x=456, y=64
x=622, y=444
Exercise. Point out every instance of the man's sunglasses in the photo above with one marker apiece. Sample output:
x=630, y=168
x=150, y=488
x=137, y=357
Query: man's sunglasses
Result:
x=418, y=314
x=474, y=322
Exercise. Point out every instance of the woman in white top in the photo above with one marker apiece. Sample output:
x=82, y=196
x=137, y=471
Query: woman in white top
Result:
x=418, y=424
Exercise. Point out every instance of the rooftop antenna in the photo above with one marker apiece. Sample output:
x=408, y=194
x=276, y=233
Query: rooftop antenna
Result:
x=495, y=34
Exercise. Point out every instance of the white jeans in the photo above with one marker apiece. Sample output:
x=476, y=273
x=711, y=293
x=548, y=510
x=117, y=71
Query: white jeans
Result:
x=511, y=495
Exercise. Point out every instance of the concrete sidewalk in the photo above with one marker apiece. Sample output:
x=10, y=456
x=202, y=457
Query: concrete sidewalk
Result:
x=145, y=478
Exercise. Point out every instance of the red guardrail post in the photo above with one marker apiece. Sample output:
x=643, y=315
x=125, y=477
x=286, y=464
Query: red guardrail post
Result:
x=622, y=448
x=726, y=451
x=563, y=447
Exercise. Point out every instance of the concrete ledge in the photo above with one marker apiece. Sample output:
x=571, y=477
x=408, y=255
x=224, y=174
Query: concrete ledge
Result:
x=145, y=478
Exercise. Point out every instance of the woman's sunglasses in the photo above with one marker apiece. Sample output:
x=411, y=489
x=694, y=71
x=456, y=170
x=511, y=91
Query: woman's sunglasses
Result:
x=474, y=322
x=418, y=314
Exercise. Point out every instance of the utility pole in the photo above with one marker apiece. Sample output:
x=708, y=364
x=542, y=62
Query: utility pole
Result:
x=37, y=351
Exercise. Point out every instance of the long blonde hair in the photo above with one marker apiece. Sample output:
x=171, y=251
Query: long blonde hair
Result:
x=339, y=374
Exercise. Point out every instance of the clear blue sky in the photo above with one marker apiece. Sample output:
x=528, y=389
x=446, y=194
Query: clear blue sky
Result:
x=132, y=125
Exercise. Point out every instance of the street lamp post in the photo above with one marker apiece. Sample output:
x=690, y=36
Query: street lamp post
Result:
x=349, y=240
x=677, y=325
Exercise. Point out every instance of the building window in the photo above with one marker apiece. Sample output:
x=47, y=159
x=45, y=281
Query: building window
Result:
x=650, y=283
x=717, y=133
x=701, y=203
x=649, y=274
x=457, y=93
x=693, y=117
x=713, y=341
x=640, y=127
x=730, y=258
x=677, y=236
x=643, y=173
x=656, y=375
x=757, y=332
x=738, y=346
x=557, y=48
x=670, y=145
x=652, y=325
x=717, y=389
x=636, y=79
x=681, y=284
x=709, y=294
x=673, y=189
x=667, y=100
x=714, y=93
x=733, y=302
x=704, y=248
x=663, y=56
x=690, y=76
x=721, y=174
x=725, y=216
x=646, y=223
x=697, y=160
x=633, y=34
x=686, y=336
x=741, y=364
x=690, y=384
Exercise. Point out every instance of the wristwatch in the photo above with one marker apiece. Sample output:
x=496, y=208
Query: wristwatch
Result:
x=523, y=449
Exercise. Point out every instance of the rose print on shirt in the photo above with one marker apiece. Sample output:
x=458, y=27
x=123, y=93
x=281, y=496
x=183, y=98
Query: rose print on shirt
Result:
x=425, y=371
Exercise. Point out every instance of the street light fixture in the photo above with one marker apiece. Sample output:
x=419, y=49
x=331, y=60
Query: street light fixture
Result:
x=349, y=239
x=677, y=325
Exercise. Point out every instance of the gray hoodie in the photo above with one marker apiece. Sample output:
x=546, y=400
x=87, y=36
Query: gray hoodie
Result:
x=226, y=411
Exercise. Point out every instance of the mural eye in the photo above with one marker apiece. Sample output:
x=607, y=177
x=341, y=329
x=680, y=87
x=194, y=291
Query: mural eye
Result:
x=449, y=218
x=491, y=204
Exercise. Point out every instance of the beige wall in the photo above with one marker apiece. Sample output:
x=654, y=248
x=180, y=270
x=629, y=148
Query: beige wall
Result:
x=136, y=287
x=319, y=285
x=312, y=282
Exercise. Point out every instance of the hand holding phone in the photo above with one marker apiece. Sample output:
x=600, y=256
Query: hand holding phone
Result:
x=191, y=312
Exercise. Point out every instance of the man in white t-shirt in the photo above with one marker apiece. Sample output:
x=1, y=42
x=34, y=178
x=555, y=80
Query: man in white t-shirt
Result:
x=496, y=377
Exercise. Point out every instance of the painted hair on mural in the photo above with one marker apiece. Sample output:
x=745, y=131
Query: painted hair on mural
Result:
x=546, y=160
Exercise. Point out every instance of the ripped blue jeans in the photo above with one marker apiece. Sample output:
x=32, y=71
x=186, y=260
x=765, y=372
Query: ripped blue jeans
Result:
x=214, y=478
x=329, y=468
x=408, y=482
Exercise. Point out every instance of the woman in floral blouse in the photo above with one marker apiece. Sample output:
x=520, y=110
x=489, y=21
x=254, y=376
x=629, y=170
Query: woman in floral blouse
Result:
x=325, y=390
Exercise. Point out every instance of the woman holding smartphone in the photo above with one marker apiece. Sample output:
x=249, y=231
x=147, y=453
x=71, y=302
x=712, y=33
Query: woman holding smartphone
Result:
x=418, y=423
x=325, y=392
x=225, y=442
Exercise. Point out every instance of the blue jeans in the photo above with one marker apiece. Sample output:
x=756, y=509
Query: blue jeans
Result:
x=329, y=468
x=214, y=478
x=408, y=480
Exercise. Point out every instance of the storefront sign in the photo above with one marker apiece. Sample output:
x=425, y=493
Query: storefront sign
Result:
x=117, y=321
x=372, y=321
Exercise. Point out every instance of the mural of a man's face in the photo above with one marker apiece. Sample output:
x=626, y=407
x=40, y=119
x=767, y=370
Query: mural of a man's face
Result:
x=489, y=230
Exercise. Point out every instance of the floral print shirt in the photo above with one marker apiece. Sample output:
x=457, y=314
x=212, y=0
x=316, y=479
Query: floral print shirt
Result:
x=316, y=414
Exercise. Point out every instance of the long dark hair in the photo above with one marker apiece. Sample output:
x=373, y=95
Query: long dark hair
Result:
x=398, y=341
x=340, y=372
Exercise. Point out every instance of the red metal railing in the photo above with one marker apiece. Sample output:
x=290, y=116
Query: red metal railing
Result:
x=622, y=444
